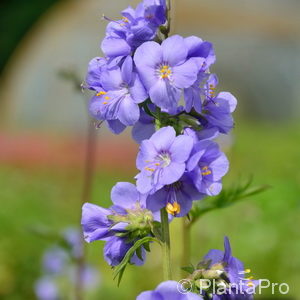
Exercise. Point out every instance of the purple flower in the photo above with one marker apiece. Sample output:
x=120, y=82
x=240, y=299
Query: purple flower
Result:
x=95, y=69
x=218, y=112
x=162, y=159
x=202, y=89
x=199, y=49
x=201, y=135
x=46, y=289
x=136, y=27
x=121, y=225
x=177, y=198
x=55, y=260
x=234, y=271
x=207, y=165
x=168, y=290
x=144, y=128
x=122, y=91
x=165, y=70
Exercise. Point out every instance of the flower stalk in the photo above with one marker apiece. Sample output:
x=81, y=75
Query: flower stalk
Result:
x=166, y=245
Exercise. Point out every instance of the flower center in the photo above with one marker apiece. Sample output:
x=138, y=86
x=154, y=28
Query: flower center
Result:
x=173, y=208
x=205, y=171
x=164, y=71
x=165, y=159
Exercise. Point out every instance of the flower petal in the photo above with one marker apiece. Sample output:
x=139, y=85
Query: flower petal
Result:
x=165, y=96
x=141, y=131
x=174, y=50
x=112, y=79
x=147, y=153
x=172, y=173
x=185, y=74
x=181, y=148
x=113, y=46
x=126, y=69
x=115, y=249
x=124, y=194
x=115, y=126
x=137, y=90
x=94, y=222
x=156, y=201
x=163, y=138
x=129, y=112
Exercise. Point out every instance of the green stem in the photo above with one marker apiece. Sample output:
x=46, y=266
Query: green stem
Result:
x=166, y=245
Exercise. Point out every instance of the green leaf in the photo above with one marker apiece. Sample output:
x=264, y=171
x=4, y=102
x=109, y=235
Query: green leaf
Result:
x=139, y=253
x=189, y=269
x=147, y=247
x=119, y=269
x=227, y=197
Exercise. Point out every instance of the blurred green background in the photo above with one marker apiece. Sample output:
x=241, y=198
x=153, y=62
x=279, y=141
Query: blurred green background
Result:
x=43, y=125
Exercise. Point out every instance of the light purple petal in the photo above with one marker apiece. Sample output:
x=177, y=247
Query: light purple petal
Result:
x=137, y=90
x=148, y=54
x=124, y=194
x=192, y=43
x=147, y=153
x=230, y=99
x=227, y=247
x=94, y=222
x=215, y=256
x=113, y=47
x=143, y=183
x=169, y=290
x=141, y=131
x=150, y=295
x=181, y=148
x=185, y=74
x=147, y=57
x=163, y=138
x=126, y=69
x=129, y=112
x=95, y=108
x=156, y=201
x=112, y=79
x=172, y=173
x=165, y=96
x=174, y=50
x=115, y=249
x=115, y=126
x=219, y=167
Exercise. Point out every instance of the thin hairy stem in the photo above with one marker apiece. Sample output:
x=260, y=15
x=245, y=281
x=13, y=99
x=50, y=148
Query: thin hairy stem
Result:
x=166, y=245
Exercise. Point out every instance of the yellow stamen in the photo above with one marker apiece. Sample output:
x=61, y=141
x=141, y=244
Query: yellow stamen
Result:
x=250, y=284
x=125, y=20
x=206, y=171
x=250, y=278
x=105, y=102
x=247, y=271
x=149, y=169
x=101, y=93
x=173, y=209
x=157, y=164
x=106, y=98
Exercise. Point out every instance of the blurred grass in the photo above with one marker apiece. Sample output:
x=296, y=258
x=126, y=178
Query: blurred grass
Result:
x=264, y=230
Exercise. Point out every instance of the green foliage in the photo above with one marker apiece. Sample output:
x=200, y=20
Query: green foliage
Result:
x=136, y=248
x=227, y=197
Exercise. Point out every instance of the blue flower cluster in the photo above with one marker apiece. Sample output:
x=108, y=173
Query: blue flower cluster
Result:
x=162, y=87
